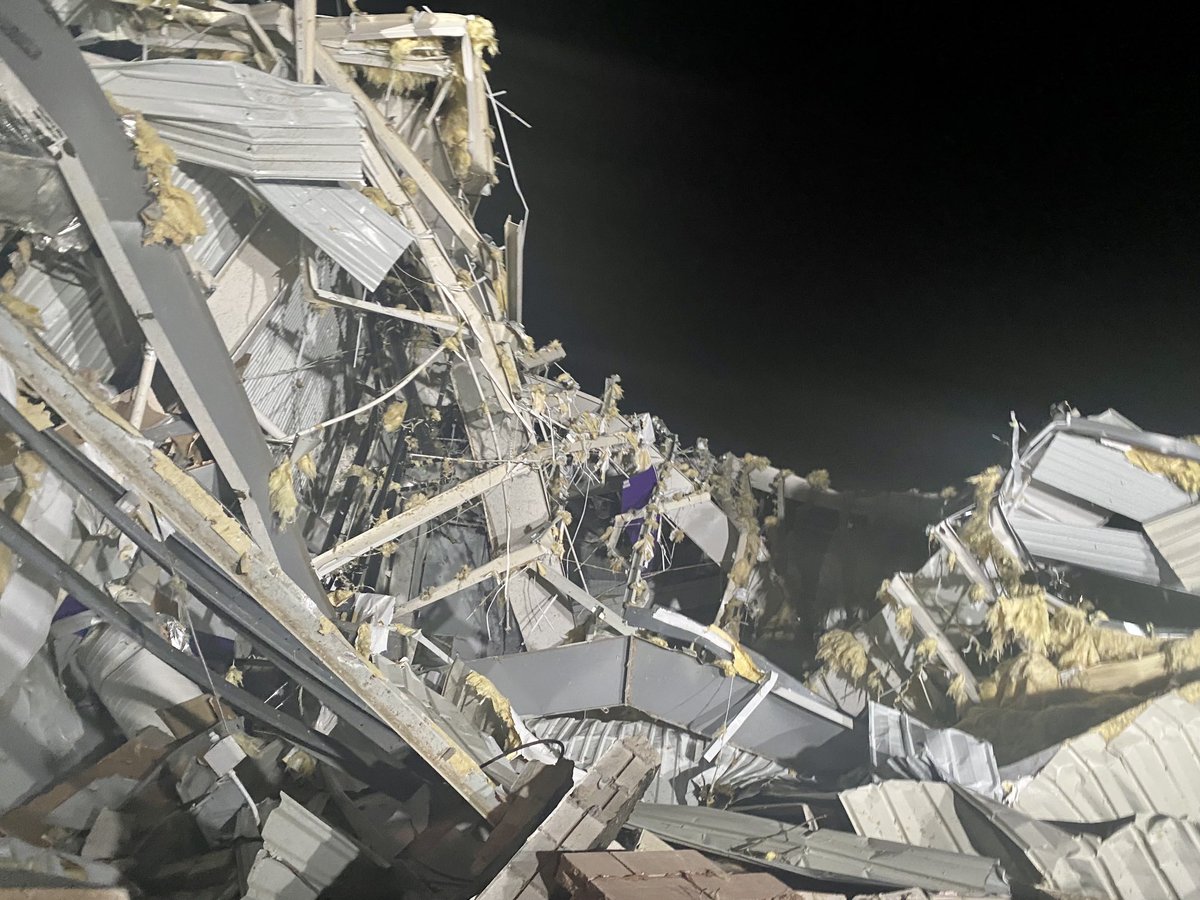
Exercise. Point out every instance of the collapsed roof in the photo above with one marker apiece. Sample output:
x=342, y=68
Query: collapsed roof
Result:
x=319, y=575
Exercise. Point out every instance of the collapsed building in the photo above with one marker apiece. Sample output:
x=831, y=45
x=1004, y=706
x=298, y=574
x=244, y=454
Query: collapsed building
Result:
x=319, y=576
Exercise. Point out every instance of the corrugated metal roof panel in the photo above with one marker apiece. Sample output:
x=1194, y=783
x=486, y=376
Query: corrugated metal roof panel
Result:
x=295, y=377
x=908, y=812
x=828, y=854
x=1113, y=550
x=84, y=326
x=1177, y=537
x=1153, y=856
x=1152, y=766
x=357, y=234
x=234, y=117
x=1041, y=502
x=1101, y=475
x=225, y=209
x=673, y=687
x=586, y=740
x=902, y=746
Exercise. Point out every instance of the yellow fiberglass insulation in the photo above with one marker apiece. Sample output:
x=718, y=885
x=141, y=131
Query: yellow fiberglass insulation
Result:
x=19, y=309
x=743, y=566
x=306, y=467
x=1110, y=728
x=1185, y=473
x=1022, y=618
x=482, y=34
x=487, y=692
x=741, y=664
x=1076, y=643
x=362, y=640
x=1036, y=721
x=173, y=216
x=957, y=691
x=29, y=467
x=818, y=479
x=226, y=55
x=341, y=595
x=282, y=493
x=927, y=649
x=1183, y=655
x=1023, y=676
x=393, y=416
x=842, y=652
x=379, y=198
x=399, y=52
x=977, y=534
x=455, y=131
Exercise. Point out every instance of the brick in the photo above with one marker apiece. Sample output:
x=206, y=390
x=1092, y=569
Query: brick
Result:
x=667, y=862
x=744, y=886
x=663, y=888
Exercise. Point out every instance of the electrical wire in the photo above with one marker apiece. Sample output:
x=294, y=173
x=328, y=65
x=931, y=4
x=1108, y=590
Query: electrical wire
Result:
x=562, y=750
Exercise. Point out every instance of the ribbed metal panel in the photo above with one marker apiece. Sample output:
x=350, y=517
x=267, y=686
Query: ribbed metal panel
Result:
x=1103, y=476
x=298, y=362
x=825, y=853
x=903, y=747
x=306, y=844
x=236, y=118
x=1152, y=766
x=225, y=209
x=1177, y=537
x=1118, y=552
x=1043, y=503
x=908, y=812
x=1152, y=856
x=586, y=740
x=357, y=234
x=84, y=326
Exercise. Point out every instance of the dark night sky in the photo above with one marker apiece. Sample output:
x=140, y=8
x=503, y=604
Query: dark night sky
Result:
x=856, y=238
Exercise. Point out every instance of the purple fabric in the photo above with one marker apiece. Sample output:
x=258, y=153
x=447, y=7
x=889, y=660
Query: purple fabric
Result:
x=636, y=493
x=638, y=489
x=69, y=607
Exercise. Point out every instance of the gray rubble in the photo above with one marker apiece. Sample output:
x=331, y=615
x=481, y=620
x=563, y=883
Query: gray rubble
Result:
x=319, y=576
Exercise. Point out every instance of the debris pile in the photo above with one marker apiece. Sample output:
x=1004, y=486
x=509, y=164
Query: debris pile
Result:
x=320, y=577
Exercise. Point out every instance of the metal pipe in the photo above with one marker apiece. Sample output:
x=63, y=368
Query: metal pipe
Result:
x=141, y=394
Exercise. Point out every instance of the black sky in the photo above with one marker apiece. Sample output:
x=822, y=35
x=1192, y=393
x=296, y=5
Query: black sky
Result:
x=855, y=237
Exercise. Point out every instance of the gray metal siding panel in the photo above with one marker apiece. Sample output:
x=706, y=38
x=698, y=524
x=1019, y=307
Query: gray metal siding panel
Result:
x=1177, y=537
x=84, y=326
x=357, y=234
x=824, y=853
x=225, y=209
x=586, y=739
x=920, y=813
x=1118, y=552
x=1103, y=476
x=566, y=679
x=1153, y=766
x=234, y=117
x=297, y=364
